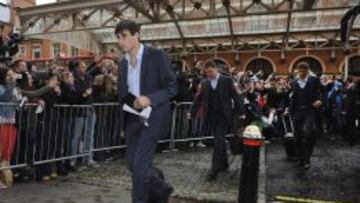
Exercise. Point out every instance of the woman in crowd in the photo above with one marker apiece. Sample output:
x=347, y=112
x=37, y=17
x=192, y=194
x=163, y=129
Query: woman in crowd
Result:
x=7, y=124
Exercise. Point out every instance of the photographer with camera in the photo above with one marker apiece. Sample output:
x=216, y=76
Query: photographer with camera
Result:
x=8, y=43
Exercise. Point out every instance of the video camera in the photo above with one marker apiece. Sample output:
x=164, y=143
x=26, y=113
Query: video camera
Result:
x=8, y=42
x=10, y=48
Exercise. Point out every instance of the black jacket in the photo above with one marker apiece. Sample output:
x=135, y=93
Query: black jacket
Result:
x=228, y=94
x=312, y=93
x=74, y=96
x=352, y=102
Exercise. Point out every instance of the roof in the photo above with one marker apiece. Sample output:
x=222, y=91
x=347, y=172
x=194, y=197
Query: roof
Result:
x=185, y=24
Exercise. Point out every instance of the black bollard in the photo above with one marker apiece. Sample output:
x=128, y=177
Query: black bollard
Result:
x=248, y=184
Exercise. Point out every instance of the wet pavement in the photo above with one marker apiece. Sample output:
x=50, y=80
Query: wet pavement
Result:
x=334, y=174
x=111, y=182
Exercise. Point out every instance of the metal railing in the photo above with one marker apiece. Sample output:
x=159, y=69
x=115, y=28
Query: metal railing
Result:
x=67, y=132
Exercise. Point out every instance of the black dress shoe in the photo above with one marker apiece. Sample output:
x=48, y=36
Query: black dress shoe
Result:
x=71, y=168
x=299, y=164
x=225, y=168
x=211, y=176
x=306, y=165
x=164, y=198
x=152, y=198
x=62, y=171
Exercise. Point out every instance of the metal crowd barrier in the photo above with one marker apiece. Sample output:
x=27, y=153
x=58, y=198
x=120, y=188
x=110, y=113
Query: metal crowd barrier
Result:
x=185, y=129
x=63, y=132
x=67, y=132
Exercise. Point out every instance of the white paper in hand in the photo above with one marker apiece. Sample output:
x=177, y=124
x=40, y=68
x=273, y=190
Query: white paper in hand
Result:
x=144, y=114
x=268, y=120
x=23, y=101
x=39, y=109
x=129, y=109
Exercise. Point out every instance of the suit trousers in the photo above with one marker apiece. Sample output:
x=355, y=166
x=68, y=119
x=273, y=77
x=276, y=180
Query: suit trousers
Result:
x=219, y=128
x=141, y=145
x=305, y=127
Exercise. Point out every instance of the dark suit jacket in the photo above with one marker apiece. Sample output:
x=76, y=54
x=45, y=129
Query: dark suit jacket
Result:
x=313, y=93
x=228, y=94
x=352, y=105
x=157, y=82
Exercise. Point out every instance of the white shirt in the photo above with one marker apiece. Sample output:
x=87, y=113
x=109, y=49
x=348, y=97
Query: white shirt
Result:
x=302, y=83
x=215, y=81
x=133, y=74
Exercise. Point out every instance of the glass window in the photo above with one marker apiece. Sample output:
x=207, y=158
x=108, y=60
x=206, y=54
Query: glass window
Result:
x=22, y=50
x=315, y=65
x=260, y=64
x=56, y=47
x=74, y=51
x=353, y=65
x=36, y=52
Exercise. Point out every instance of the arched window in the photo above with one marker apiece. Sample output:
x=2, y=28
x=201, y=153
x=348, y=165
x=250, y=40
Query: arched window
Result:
x=315, y=65
x=260, y=64
x=354, y=64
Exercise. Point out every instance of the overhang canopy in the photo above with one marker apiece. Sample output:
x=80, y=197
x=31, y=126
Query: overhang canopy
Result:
x=184, y=24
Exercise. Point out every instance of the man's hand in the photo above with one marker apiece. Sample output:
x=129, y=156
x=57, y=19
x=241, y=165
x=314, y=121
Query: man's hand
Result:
x=12, y=77
x=41, y=102
x=286, y=112
x=316, y=104
x=142, y=102
x=87, y=92
x=57, y=90
x=188, y=115
x=98, y=58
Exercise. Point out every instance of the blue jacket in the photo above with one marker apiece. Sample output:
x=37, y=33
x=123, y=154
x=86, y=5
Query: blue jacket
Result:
x=7, y=107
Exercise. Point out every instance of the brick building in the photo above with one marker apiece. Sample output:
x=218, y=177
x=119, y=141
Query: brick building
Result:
x=272, y=35
x=33, y=49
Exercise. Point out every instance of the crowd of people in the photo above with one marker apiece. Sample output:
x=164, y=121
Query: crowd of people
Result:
x=263, y=97
x=48, y=133
x=266, y=94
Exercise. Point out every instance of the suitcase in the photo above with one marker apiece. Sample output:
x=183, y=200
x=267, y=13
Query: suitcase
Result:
x=289, y=138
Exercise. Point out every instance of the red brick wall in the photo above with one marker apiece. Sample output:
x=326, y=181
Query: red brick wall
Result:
x=22, y=4
x=46, y=45
x=330, y=66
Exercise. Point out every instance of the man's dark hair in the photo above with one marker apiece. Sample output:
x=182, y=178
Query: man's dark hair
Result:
x=210, y=64
x=73, y=64
x=303, y=65
x=129, y=25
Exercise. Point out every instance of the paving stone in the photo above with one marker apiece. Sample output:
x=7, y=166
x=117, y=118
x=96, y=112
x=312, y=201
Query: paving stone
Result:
x=111, y=182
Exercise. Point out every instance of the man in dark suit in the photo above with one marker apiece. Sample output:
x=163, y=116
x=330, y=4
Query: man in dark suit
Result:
x=352, y=109
x=305, y=104
x=216, y=95
x=145, y=74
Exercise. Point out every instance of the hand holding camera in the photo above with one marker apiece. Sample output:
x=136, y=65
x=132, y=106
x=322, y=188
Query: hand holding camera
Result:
x=57, y=90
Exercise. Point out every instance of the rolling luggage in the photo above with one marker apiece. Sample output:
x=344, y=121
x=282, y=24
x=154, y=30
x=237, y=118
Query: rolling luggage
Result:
x=289, y=138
